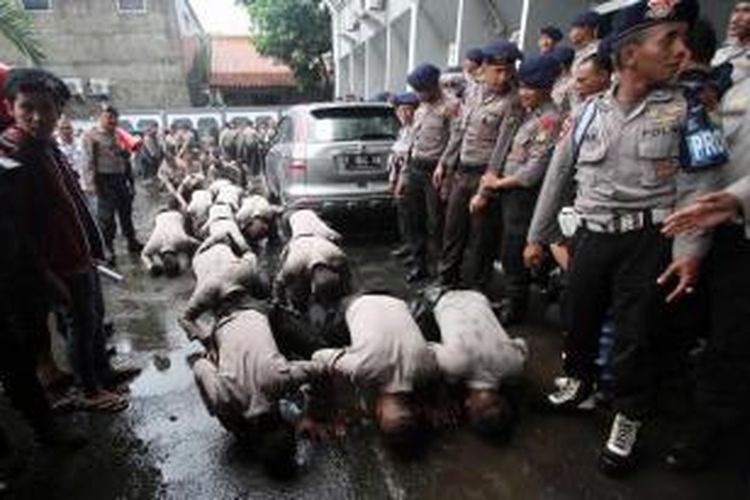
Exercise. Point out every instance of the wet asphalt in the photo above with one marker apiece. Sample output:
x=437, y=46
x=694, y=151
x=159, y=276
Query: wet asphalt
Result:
x=167, y=446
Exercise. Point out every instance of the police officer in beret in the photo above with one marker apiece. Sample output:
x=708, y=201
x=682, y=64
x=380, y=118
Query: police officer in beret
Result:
x=465, y=160
x=549, y=37
x=472, y=68
x=517, y=168
x=624, y=153
x=562, y=88
x=433, y=121
x=405, y=103
x=583, y=35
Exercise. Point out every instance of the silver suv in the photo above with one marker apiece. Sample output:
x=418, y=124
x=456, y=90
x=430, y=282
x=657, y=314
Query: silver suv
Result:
x=329, y=156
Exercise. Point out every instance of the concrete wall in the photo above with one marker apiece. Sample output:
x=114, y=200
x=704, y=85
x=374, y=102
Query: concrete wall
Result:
x=142, y=54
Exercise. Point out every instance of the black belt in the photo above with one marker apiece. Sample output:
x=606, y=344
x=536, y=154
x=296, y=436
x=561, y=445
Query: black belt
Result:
x=423, y=164
x=464, y=168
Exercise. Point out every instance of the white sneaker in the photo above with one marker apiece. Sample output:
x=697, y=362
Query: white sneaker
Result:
x=571, y=393
x=623, y=436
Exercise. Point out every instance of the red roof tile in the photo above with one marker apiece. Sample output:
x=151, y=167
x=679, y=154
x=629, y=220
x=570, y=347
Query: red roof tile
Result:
x=235, y=62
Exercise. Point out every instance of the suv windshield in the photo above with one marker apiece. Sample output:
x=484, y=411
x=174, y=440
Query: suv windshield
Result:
x=352, y=124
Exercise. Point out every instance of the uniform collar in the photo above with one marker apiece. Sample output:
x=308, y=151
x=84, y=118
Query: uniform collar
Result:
x=608, y=101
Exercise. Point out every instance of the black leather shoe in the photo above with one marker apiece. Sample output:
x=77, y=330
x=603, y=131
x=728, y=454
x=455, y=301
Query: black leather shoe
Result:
x=135, y=246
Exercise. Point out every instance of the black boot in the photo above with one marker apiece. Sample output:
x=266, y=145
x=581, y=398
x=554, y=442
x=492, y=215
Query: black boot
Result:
x=619, y=454
x=417, y=274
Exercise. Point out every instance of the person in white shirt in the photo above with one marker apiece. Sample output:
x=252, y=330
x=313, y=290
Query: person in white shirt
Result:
x=72, y=147
x=388, y=355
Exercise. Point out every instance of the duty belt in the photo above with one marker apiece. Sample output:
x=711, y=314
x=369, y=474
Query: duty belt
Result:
x=424, y=164
x=624, y=222
x=464, y=168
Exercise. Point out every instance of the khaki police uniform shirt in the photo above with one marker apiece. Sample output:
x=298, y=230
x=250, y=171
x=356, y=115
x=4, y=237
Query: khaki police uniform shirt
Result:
x=432, y=128
x=738, y=56
x=562, y=91
x=222, y=228
x=532, y=147
x=251, y=374
x=103, y=154
x=476, y=128
x=168, y=236
x=474, y=347
x=735, y=113
x=299, y=258
x=627, y=163
x=307, y=223
x=387, y=350
x=198, y=208
x=219, y=273
x=400, y=152
x=254, y=207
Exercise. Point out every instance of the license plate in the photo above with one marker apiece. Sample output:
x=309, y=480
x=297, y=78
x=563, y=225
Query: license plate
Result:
x=362, y=162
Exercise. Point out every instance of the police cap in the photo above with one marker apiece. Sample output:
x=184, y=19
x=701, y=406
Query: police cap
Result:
x=501, y=52
x=539, y=72
x=424, y=77
x=648, y=13
x=475, y=55
x=589, y=19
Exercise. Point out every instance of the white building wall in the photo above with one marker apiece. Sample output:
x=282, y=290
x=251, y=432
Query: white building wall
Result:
x=390, y=37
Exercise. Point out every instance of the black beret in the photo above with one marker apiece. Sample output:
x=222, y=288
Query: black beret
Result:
x=564, y=55
x=475, y=54
x=501, y=52
x=424, y=77
x=553, y=32
x=589, y=19
x=539, y=71
x=405, y=99
x=648, y=13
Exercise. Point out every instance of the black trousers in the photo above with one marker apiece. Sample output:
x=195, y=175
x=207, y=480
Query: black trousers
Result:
x=620, y=269
x=87, y=339
x=23, y=323
x=723, y=386
x=516, y=209
x=115, y=197
x=424, y=214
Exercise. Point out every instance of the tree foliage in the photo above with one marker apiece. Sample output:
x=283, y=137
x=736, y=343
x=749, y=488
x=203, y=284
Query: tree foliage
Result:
x=16, y=27
x=297, y=32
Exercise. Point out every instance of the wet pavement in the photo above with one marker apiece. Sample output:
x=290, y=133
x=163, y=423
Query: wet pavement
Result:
x=167, y=446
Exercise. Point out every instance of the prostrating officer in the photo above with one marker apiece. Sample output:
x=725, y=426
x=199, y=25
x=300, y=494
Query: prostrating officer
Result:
x=466, y=158
x=432, y=126
x=549, y=37
x=516, y=173
x=624, y=152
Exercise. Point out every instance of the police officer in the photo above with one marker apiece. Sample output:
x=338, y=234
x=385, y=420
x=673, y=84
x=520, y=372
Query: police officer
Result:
x=465, y=160
x=517, y=171
x=724, y=377
x=737, y=48
x=405, y=103
x=433, y=121
x=549, y=37
x=472, y=69
x=583, y=35
x=623, y=152
x=109, y=169
x=562, y=89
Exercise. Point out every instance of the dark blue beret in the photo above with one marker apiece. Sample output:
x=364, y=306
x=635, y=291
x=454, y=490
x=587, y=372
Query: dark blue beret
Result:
x=553, y=32
x=501, y=52
x=563, y=55
x=424, y=77
x=648, y=13
x=405, y=99
x=475, y=54
x=588, y=19
x=539, y=71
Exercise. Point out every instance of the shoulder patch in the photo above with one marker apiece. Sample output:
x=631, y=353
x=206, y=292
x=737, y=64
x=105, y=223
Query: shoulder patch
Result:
x=548, y=123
